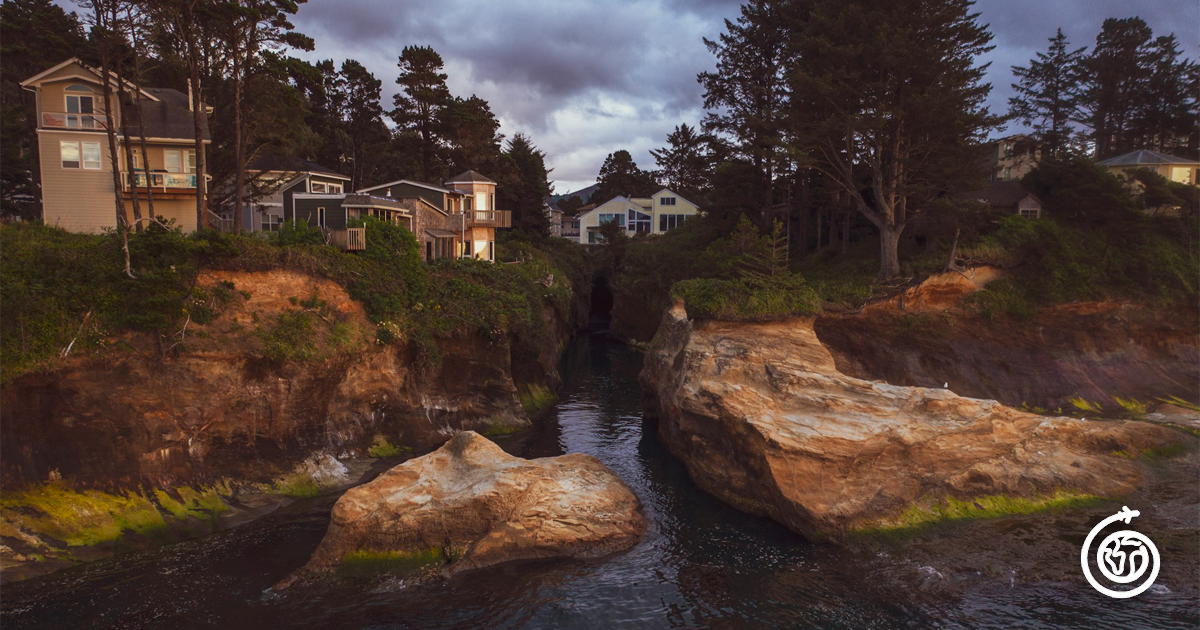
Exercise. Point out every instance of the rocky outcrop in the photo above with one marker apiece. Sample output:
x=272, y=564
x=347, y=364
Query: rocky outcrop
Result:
x=220, y=406
x=470, y=505
x=764, y=420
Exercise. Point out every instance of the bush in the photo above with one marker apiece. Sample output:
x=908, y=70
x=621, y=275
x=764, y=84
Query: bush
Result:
x=715, y=298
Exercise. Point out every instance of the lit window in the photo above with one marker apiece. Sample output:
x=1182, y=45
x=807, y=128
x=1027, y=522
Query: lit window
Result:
x=70, y=154
x=91, y=156
x=80, y=107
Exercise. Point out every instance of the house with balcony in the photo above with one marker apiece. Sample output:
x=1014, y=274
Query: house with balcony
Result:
x=76, y=165
x=656, y=214
x=458, y=219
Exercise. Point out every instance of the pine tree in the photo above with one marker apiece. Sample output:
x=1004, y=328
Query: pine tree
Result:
x=419, y=104
x=747, y=94
x=362, y=119
x=1047, y=94
x=893, y=124
x=1114, y=84
x=473, y=135
x=526, y=185
x=620, y=176
x=1166, y=120
x=685, y=164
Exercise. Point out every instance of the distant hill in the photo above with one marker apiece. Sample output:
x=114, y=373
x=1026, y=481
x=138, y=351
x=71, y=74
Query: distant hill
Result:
x=582, y=193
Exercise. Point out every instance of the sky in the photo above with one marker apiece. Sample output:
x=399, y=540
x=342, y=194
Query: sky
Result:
x=585, y=78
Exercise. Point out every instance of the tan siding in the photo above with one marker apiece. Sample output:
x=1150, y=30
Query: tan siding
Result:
x=76, y=199
x=182, y=210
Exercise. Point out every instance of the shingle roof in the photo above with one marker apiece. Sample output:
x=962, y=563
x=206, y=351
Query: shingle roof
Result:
x=999, y=194
x=470, y=176
x=288, y=164
x=169, y=117
x=1143, y=157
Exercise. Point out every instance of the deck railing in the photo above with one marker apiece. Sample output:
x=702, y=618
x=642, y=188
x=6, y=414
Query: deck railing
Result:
x=350, y=239
x=220, y=223
x=53, y=120
x=489, y=218
x=160, y=180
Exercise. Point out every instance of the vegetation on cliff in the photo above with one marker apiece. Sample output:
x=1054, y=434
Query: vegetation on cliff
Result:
x=66, y=294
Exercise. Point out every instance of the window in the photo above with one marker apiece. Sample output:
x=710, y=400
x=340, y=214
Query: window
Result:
x=467, y=204
x=1007, y=173
x=666, y=201
x=80, y=104
x=333, y=188
x=639, y=222
x=271, y=222
x=91, y=156
x=670, y=221
x=318, y=187
x=177, y=161
x=1029, y=213
x=321, y=217
x=594, y=237
x=619, y=218
x=70, y=154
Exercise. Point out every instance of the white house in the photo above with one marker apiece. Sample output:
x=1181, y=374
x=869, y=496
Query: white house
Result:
x=659, y=213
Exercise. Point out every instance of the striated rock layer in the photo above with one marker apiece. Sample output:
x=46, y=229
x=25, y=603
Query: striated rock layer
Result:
x=763, y=419
x=474, y=506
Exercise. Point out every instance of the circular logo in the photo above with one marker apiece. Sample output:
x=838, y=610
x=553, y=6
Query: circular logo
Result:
x=1123, y=557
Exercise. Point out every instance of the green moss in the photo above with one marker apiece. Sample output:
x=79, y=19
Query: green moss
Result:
x=296, y=485
x=365, y=562
x=91, y=517
x=919, y=516
x=1154, y=455
x=381, y=447
x=499, y=429
x=535, y=397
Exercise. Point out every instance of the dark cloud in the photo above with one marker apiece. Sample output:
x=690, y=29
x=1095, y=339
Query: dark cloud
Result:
x=587, y=77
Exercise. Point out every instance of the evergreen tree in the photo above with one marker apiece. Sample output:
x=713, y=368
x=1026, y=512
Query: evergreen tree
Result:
x=686, y=163
x=893, y=124
x=1167, y=119
x=620, y=176
x=362, y=117
x=419, y=104
x=1115, y=82
x=525, y=186
x=747, y=94
x=473, y=134
x=1047, y=94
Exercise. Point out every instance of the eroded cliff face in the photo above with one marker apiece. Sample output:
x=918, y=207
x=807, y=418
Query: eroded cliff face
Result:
x=220, y=408
x=763, y=419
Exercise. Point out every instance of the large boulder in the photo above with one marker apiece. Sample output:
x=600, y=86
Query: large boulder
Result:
x=470, y=505
x=762, y=418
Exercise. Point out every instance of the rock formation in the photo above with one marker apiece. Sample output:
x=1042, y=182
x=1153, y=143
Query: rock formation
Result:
x=763, y=419
x=470, y=505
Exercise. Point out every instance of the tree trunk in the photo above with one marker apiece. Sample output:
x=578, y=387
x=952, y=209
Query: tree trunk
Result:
x=193, y=63
x=239, y=148
x=137, y=90
x=110, y=131
x=889, y=255
x=845, y=230
x=128, y=146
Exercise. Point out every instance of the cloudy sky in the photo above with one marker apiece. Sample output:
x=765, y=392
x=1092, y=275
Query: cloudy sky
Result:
x=584, y=78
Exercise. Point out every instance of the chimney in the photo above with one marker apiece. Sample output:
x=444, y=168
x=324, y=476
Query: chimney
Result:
x=190, y=108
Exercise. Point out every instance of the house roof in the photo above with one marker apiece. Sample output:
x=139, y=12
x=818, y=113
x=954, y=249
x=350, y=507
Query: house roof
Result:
x=406, y=181
x=470, y=176
x=112, y=77
x=1143, y=157
x=1000, y=194
x=167, y=115
x=290, y=164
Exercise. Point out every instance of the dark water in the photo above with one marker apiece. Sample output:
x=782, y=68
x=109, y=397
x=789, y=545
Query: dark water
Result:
x=701, y=564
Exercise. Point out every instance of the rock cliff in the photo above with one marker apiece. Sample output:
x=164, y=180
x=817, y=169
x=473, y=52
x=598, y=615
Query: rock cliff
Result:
x=763, y=419
x=470, y=505
x=224, y=404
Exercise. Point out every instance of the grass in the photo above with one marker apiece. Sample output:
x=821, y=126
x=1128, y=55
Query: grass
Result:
x=920, y=516
x=381, y=448
x=743, y=299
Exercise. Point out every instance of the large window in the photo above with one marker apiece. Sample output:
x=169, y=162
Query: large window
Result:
x=619, y=218
x=81, y=105
x=180, y=161
x=271, y=222
x=670, y=221
x=639, y=222
x=84, y=155
x=322, y=187
x=666, y=201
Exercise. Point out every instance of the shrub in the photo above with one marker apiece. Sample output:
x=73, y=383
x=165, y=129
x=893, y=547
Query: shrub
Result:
x=714, y=298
